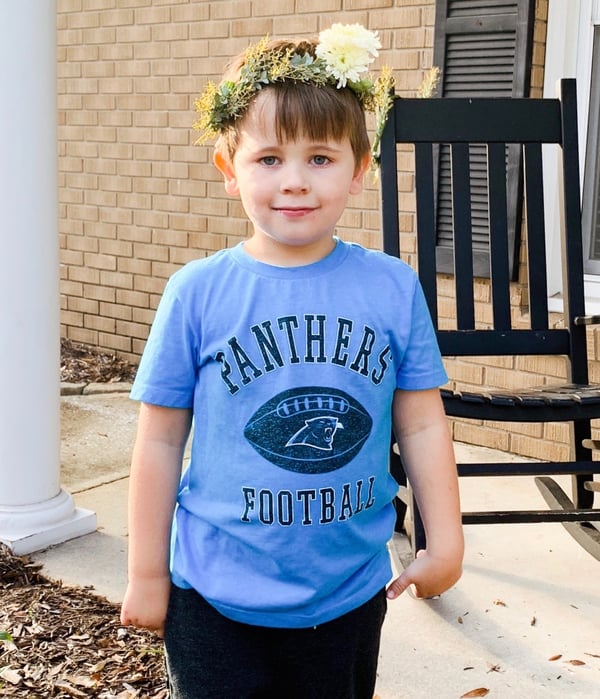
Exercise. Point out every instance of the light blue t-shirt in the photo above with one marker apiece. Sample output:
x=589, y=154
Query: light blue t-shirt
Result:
x=286, y=509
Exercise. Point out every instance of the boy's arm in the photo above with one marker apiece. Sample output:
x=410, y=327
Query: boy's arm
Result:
x=154, y=480
x=421, y=430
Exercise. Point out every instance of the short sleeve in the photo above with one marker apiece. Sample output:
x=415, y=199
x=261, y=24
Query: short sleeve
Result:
x=422, y=366
x=167, y=372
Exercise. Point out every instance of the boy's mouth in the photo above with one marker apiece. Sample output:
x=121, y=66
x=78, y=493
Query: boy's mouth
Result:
x=294, y=211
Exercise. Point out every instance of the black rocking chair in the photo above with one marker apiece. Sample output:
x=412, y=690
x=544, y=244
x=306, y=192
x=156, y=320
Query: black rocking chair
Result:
x=495, y=125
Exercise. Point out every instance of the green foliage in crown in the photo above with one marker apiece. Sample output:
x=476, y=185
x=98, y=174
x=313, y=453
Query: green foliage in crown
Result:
x=342, y=54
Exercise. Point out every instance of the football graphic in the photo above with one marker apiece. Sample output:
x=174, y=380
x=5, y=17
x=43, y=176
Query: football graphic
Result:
x=309, y=429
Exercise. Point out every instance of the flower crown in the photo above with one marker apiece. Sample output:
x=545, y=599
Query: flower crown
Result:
x=342, y=53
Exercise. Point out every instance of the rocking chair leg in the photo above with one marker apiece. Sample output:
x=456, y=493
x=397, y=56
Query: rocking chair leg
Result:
x=582, y=496
x=400, y=507
x=397, y=471
x=585, y=533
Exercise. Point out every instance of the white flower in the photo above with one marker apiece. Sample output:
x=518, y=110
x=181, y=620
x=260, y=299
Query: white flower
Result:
x=347, y=50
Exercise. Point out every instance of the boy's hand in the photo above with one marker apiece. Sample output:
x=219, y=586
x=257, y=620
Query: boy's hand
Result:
x=145, y=604
x=429, y=574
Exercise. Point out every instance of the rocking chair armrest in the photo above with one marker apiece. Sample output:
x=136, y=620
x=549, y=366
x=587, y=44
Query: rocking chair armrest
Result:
x=587, y=320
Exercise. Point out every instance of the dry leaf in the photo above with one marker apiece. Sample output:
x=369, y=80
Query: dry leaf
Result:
x=479, y=692
x=533, y=621
x=70, y=690
x=127, y=694
x=56, y=670
x=558, y=656
x=460, y=620
x=593, y=655
x=79, y=637
x=499, y=603
x=11, y=676
x=98, y=667
x=575, y=662
x=81, y=680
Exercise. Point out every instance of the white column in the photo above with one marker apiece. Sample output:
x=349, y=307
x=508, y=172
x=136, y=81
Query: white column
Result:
x=34, y=511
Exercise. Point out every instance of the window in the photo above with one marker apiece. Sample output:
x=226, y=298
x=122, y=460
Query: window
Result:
x=591, y=187
x=573, y=50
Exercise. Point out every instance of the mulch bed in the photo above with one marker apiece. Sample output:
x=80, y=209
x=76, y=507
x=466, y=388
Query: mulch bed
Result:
x=65, y=642
x=84, y=364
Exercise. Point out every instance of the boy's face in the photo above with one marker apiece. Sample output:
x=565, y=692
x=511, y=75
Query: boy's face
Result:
x=293, y=192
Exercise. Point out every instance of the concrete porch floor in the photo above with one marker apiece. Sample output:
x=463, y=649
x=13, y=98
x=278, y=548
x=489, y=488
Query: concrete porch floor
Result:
x=523, y=621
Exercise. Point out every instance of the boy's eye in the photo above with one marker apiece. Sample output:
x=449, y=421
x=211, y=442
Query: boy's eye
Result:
x=320, y=159
x=268, y=160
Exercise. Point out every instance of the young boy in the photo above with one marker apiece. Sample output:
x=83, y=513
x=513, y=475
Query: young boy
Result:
x=290, y=354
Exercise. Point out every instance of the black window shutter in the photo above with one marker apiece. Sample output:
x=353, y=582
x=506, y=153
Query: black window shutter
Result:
x=483, y=49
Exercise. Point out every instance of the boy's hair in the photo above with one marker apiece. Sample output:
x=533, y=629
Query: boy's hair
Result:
x=318, y=112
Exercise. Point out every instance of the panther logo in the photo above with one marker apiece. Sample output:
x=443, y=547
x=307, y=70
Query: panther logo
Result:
x=318, y=432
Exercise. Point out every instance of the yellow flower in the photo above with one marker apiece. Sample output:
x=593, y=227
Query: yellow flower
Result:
x=204, y=106
x=430, y=83
x=381, y=102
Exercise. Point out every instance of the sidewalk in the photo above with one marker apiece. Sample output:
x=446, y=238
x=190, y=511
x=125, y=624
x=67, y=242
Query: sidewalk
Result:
x=528, y=594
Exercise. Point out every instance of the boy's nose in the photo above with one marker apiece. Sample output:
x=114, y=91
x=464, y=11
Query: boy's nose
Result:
x=293, y=179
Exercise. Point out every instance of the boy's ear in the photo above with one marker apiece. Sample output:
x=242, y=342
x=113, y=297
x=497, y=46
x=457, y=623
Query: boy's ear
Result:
x=356, y=186
x=225, y=167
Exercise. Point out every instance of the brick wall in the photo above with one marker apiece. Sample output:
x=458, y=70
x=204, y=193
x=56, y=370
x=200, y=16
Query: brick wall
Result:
x=138, y=199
